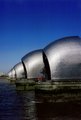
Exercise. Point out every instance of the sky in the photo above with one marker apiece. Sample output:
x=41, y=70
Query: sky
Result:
x=27, y=25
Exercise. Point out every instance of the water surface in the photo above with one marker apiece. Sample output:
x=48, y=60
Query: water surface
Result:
x=28, y=105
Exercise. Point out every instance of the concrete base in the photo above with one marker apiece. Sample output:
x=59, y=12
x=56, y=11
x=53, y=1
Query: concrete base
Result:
x=58, y=85
x=12, y=80
x=25, y=84
x=48, y=85
x=60, y=91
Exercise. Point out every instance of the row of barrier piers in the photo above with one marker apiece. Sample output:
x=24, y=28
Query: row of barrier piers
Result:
x=63, y=91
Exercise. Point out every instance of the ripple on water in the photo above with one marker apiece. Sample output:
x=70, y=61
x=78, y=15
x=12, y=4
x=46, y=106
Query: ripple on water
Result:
x=28, y=105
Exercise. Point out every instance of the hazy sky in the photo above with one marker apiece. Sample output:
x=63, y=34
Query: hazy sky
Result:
x=26, y=25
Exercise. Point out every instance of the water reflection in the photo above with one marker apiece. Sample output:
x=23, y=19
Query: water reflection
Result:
x=28, y=100
x=29, y=105
x=51, y=110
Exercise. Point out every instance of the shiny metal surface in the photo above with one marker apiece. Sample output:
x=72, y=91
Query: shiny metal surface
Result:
x=34, y=64
x=64, y=58
x=12, y=73
x=9, y=74
x=19, y=71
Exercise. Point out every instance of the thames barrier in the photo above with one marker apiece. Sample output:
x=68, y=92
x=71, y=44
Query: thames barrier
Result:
x=56, y=66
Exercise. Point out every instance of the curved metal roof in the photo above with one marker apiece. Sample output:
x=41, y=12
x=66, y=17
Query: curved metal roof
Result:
x=64, y=58
x=19, y=70
x=34, y=64
x=11, y=74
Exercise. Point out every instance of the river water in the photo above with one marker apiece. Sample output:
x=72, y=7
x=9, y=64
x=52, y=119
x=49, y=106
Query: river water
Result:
x=28, y=105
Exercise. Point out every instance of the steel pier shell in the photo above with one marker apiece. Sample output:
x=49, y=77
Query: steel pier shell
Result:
x=19, y=71
x=64, y=58
x=12, y=73
x=34, y=64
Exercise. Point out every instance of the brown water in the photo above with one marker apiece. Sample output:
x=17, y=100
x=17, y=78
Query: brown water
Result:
x=28, y=105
